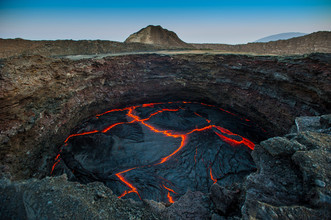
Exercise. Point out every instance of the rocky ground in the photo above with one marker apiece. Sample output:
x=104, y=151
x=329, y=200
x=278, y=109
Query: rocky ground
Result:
x=42, y=99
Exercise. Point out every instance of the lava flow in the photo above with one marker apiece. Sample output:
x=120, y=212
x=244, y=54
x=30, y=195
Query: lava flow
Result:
x=174, y=129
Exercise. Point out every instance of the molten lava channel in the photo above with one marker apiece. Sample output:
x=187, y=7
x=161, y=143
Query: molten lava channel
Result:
x=132, y=116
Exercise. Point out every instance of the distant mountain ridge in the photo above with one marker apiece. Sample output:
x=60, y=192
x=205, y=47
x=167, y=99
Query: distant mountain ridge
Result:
x=318, y=42
x=281, y=36
x=156, y=35
x=311, y=43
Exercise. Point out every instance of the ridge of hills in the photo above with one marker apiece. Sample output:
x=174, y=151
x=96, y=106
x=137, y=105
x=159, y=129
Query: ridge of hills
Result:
x=155, y=38
x=281, y=36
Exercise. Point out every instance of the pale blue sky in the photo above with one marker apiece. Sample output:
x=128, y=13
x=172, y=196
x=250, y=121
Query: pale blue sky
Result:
x=218, y=21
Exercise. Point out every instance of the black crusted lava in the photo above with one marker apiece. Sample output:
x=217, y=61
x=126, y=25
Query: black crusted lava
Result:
x=160, y=150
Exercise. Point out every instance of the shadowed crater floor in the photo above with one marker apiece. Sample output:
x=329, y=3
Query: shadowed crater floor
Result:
x=160, y=150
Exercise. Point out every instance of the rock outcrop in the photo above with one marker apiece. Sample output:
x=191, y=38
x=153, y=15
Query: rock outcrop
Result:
x=156, y=35
x=293, y=177
x=57, y=198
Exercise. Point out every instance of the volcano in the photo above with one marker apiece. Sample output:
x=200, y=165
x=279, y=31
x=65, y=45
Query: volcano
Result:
x=160, y=150
x=156, y=35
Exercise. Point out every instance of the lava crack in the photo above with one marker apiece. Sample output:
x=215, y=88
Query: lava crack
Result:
x=224, y=134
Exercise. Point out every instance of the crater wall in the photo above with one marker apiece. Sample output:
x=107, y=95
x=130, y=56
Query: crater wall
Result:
x=43, y=99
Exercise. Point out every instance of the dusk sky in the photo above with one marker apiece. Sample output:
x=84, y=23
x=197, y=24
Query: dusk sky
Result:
x=214, y=21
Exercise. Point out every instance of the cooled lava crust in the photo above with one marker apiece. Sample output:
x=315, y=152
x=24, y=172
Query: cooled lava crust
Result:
x=160, y=150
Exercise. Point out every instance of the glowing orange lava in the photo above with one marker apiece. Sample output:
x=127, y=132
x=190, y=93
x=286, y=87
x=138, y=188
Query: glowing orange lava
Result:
x=56, y=162
x=231, y=141
x=113, y=110
x=133, y=189
x=170, y=199
x=202, y=117
x=223, y=133
x=113, y=125
x=80, y=134
x=211, y=176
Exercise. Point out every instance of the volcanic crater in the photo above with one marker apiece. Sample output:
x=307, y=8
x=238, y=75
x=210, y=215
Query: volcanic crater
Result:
x=155, y=126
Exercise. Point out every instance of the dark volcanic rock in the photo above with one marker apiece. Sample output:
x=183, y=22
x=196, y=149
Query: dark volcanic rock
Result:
x=315, y=166
x=280, y=146
x=43, y=99
x=260, y=210
x=293, y=177
x=192, y=205
x=170, y=147
x=56, y=198
x=318, y=124
x=225, y=200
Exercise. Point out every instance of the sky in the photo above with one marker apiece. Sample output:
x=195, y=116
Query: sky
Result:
x=203, y=21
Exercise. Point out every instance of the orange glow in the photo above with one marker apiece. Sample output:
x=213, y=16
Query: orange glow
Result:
x=124, y=171
x=208, y=105
x=133, y=189
x=113, y=125
x=151, y=104
x=55, y=165
x=113, y=110
x=57, y=157
x=200, y=129
x=227, y=111
x=123, y=194
x=160, y=111
x=165, y=132
x=168, y=195
x=203, y=117
x=173, y=153
x=170, y=198
x=80, y=134
x=223, y=133
x=171, y=190
x=234, y=142
x=211, y=176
